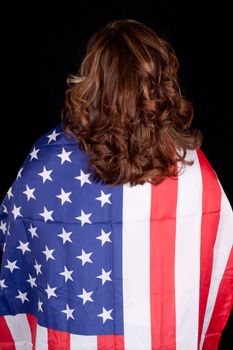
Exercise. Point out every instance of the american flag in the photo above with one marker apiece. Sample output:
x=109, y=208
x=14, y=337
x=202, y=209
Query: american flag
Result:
x=93, y=266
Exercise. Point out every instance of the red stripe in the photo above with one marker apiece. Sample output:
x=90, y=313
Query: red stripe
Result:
x=32, y=320
x=6, y=340
x=222, y=308
x=58, y=340
x=162, y=264
x=110, y=342
x=211, y=206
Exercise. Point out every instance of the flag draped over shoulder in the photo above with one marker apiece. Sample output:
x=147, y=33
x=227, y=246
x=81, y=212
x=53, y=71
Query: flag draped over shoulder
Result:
x=92, y=266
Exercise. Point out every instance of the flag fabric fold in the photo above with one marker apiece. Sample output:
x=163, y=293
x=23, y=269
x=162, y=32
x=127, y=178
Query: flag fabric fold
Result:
x=92, y=266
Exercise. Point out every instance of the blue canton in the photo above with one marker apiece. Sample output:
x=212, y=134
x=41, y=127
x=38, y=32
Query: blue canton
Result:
x=61, y=236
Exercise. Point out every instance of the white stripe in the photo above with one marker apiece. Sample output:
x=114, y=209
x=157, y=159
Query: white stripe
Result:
x=187, y=254
x=81, y=342
x=41, y=338
x=136, y=266
x=222, y=250
x=20, y=331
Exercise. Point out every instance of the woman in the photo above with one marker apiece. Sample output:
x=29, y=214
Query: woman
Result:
x=117, y=233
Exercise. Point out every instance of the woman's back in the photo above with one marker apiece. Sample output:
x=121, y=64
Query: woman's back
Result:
x=93, y=266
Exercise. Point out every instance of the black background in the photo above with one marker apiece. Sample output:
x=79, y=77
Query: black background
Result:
x=46, y=41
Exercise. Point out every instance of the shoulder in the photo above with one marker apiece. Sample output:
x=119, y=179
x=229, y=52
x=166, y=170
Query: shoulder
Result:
x=204, y=164
x=207, y=182
x=52, y=161
x=201, y=165
x=49, y=142
x=51, y=151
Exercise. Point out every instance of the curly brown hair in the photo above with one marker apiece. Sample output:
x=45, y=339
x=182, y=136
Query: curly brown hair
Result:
x=125, y=107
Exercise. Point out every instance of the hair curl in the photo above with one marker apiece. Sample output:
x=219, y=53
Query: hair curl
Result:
x=125, y=107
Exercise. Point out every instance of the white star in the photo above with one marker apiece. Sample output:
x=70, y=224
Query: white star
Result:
x=38, y=268
x=32, y=281
x=33, y=154
x=64, y=196
x=22, y=296
x=2, y=284
x=8, y=229
x=32, y=230
x=104, y=237
x=5, y=209
x=66, y=274
x=9, y=193
x=64, y=156
x=50, y=291
x=85, y=257
x=68, y=312
x=23, y=247
x=65, y=236
x=3, y=226
x=83, y=178
x=47, y=215
x=105, y=276
x=19, y=173
x=11, y=265
x=86, y=296
x=48, y=253
x=53, y=136
x=46, y=174
x=16, y=211
x=40, y=305
x=106, y=315
x=29, y=192
x=104, y=198
x=84, y=218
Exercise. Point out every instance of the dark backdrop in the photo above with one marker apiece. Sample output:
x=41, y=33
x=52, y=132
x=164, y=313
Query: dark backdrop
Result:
x=47, y=40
